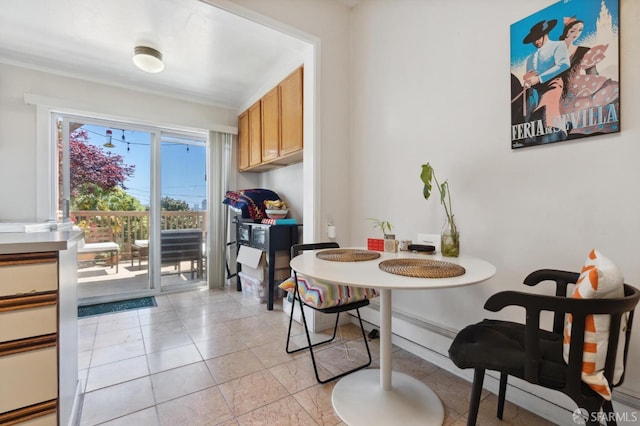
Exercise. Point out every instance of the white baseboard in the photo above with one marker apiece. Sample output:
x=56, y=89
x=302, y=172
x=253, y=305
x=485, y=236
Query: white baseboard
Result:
x=431, y=341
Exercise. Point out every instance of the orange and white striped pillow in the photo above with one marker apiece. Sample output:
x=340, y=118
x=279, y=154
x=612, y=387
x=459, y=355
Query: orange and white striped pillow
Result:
x=600, y=278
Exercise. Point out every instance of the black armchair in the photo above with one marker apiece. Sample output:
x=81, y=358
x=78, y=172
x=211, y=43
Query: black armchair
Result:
x=536, y=355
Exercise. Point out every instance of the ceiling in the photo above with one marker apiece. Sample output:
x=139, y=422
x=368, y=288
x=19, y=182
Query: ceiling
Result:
x=211, y=56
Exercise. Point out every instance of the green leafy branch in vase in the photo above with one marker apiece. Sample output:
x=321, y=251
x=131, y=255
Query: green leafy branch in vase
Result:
x=450, y=245
x=427, y=176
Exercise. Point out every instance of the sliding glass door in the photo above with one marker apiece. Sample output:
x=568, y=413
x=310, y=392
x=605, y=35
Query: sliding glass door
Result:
x=183, y=202
x=140, y=193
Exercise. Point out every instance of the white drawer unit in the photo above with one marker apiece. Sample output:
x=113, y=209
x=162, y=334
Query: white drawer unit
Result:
x=29, y=276
x=29, y=338
x=29, y=377
x=28, y=320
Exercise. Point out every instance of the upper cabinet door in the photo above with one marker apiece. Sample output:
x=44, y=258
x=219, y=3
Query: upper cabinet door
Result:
x=270, y=125
x=243, y=141
x=255, y=135
x=291, y=113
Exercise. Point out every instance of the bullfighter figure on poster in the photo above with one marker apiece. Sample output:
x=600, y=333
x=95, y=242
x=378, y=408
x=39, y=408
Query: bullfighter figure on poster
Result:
x=565, y=73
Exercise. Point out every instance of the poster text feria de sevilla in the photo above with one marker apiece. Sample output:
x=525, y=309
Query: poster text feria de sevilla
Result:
x=565, y=73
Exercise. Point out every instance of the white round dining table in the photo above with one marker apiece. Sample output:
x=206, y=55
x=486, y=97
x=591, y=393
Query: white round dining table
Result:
x=382, y=396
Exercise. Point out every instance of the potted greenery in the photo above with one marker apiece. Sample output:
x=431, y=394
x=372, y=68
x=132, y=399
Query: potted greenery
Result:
x=450, y=236
x=384, y=226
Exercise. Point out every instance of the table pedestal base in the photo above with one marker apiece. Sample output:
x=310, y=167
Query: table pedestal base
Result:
x=358, y=399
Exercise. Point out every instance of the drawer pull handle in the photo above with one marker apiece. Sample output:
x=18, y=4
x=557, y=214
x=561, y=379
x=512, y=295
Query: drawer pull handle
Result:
x=13, y=303
x=28, y=413
x=29, y=344
x=28, y=258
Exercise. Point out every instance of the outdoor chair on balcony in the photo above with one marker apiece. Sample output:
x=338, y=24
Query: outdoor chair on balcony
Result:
x=100, y=240
x=182, y=245
x=139, y=250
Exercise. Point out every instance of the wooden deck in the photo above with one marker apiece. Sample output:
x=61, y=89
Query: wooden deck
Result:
x=100, y=279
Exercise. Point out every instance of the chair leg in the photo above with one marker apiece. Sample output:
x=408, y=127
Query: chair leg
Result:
x=304, y=321
x=502, y=394
x=114, y=258
x=607, y=409
x=293, y=306
x=364, y=338
x=476, y=392
x=310, y=345
x=306, y=330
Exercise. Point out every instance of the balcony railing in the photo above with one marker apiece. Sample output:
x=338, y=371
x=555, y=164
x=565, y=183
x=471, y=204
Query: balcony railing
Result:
x=130, y=226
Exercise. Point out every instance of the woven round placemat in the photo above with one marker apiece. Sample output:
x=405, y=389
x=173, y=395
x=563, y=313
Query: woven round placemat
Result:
x=347, y=255
x=422, y=268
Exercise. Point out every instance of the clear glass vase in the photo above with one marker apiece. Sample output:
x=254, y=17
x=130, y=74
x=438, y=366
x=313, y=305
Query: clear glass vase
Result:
x=450, y=238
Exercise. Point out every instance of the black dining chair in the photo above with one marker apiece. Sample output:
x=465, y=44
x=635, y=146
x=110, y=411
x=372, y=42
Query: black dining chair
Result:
x=536, y=355
x=337, y=297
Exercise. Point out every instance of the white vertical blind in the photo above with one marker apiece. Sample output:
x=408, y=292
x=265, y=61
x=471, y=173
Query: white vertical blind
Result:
x=219, y=165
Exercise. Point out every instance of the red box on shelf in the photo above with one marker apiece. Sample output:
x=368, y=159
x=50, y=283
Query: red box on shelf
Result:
x=376, y=244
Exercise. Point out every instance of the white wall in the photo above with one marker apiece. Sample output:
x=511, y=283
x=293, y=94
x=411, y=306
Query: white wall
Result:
x=18, y=133
x=430, y=84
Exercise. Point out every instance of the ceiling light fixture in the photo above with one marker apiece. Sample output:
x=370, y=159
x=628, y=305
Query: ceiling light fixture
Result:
x=148, y=59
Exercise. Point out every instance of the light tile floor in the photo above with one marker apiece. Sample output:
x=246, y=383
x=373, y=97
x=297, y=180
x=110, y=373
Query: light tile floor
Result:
x=216, y=357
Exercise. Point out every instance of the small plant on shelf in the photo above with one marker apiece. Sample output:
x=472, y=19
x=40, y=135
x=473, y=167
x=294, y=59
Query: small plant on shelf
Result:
x=386, y=228
x=384, y=225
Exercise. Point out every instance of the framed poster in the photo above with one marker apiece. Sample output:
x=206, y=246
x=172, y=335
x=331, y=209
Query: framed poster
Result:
x=565, y=73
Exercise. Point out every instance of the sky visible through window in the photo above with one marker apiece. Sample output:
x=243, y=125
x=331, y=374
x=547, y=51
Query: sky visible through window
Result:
x=183, y=167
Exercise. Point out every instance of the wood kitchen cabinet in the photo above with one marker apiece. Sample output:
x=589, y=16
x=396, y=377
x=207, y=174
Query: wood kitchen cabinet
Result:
x=38, y=329
x=270, y=104
x=291, y=113
x=255, y=135
x=243, y=141
x=270, y=132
